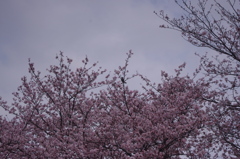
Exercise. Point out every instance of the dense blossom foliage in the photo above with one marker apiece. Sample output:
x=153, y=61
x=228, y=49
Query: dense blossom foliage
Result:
x=63, y=115
x=88, y=113
x=216, y=25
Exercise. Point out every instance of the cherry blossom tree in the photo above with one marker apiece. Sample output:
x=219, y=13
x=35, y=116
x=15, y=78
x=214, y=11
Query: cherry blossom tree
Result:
x=216, y=25
x=74, y=114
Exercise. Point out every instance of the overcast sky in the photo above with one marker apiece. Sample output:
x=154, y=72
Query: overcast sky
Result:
x=104, y=30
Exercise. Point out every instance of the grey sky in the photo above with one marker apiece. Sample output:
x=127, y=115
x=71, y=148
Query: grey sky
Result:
x=103, y=30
